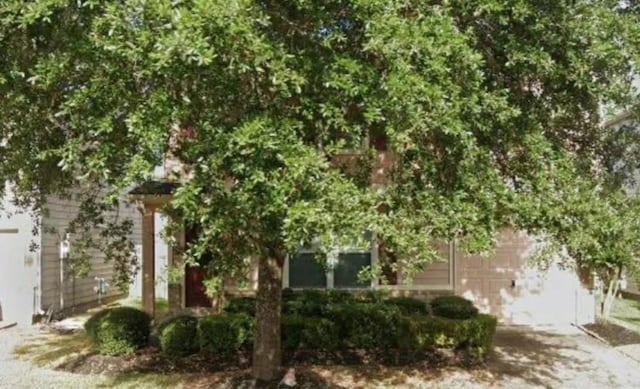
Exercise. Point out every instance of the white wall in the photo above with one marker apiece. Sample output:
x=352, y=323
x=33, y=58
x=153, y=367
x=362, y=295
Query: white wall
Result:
x=162, y=263
x=19, y=266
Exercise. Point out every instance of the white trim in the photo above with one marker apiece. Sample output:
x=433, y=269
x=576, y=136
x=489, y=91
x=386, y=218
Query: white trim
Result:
x=374, y=258
x=452, y=265
x=285, y=273
x=182, y=242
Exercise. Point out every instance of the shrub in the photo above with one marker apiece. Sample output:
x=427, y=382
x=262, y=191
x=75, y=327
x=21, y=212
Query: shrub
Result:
x=375, y=296
x=292, y=331
x=119, y=331
x=453, y=307
x=480, y=331
x=245, y=305
x=225, y=333
x=300, y=332
x=409, y=305
x=307, y=303
x=179, y=336
x=336, y=296
x=472, y=336
x=366, y=325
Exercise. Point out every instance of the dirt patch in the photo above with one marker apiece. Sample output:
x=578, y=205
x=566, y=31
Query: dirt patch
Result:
x=150, y=360
x=614, y=334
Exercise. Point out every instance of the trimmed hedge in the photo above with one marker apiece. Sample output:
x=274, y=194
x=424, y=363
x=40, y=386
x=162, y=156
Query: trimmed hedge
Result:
x=244, y=305
x=300, y=332
x=409, y=305
x=179, y=336
x=453, y=307
x=366, y=325
x=340, y=320
x=473, y=336
x=119, y=331
x=225, y=333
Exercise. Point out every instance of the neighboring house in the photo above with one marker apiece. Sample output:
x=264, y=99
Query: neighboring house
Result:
x=505, y=283
x=31, y=282
x=626, y=121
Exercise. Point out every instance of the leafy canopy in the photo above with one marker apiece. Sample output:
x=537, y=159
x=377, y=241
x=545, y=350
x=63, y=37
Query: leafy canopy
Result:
x=489, y=111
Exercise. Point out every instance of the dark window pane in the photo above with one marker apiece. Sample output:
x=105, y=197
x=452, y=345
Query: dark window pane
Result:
x=345, y=274
x=306, y=272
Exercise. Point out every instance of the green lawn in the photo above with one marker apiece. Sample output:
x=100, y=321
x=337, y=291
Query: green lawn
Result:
x=162, y=305
x=626, y=313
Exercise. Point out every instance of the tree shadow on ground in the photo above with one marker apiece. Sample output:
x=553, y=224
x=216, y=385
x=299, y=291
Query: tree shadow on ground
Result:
x=536, y=357
x=521, y=355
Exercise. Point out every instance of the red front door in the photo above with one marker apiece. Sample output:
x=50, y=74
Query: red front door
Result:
x=194, y=289
x=195, y=295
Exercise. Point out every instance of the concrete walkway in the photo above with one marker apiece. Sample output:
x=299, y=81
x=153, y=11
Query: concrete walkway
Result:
x=559, y=358
x=15, y=373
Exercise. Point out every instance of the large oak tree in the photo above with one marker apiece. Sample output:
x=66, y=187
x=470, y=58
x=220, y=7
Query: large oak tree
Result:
x=490, y=111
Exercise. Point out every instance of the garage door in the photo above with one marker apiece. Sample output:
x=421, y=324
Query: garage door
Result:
x=507, y=285
x=18, y=276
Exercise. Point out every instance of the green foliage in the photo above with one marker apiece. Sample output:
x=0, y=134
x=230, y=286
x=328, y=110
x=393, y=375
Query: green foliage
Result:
x=366, y=325
x=453, y=307
x=490, y=112
x=119, y=331
x=473, y=336
x=310, y=333
x=246, y=305
x=478, y=119
x=179, y=336
x=308, y=303
x=225, y=333
x=409, y=305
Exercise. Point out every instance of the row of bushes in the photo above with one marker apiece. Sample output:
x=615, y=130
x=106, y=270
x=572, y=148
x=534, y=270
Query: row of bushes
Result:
x=366, y=327
x=315, y=303
x=309, y=323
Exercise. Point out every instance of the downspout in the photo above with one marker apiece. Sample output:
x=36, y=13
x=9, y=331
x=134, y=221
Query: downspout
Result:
x=452, y=264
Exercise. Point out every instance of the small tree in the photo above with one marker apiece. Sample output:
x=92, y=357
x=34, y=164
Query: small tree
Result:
x=471, y=104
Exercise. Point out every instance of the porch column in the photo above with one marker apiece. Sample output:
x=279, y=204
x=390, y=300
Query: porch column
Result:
x=176, y=265
x=148, y=260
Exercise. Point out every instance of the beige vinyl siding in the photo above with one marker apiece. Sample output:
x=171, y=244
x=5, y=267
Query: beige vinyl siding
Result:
x=508, y=284
x=436, y=275
x=61, y=212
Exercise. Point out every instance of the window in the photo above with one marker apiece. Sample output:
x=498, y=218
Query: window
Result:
x=345, y=273
x=304, y=271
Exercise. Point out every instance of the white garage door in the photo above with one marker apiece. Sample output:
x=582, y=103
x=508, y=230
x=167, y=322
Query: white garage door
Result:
x=507, y=285
x=18, y=269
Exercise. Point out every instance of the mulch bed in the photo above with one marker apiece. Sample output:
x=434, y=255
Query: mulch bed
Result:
x=151, y=360
x=614, y=334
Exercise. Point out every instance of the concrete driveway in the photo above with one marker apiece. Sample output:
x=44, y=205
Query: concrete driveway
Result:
x=558, y=358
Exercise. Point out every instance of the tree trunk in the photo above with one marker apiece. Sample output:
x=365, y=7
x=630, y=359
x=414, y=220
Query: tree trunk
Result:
x=267, y=352
x=609, y=297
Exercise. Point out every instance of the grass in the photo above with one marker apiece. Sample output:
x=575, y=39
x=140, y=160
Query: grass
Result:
x=626, y=312
x=161, y=305
x=50, y=349
x=145, y=380
x=54, y=350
